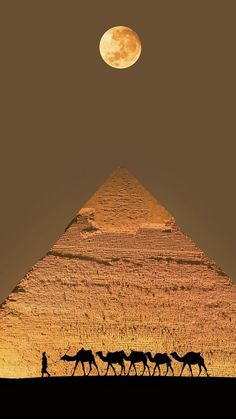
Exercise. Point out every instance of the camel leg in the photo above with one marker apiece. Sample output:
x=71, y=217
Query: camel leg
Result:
x=167, y=369
x=132, y=365
x=83, y=367
x=122, y=368
x=182, y=369
x=158, y=366
x=76, y=363
x=113, y=369
x=205, y=368
x=90, y=367
x=200, y=369
x=94, y=363
x=190, y=369
x=171, y=369
x=154, y=370
x=144, y=367
x=108, y=366
x=130, y=368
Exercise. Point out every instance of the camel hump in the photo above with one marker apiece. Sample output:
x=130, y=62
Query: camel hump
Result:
x=85, y=350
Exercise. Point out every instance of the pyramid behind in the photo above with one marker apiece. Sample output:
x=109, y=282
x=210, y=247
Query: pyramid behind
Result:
x=122, y=276
x=123, y=204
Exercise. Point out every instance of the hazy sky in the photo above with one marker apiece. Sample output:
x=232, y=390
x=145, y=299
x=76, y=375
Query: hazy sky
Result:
x=68, y=119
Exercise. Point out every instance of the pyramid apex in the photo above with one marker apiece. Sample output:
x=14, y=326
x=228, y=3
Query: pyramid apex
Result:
x=120, y=170
x=122, y=203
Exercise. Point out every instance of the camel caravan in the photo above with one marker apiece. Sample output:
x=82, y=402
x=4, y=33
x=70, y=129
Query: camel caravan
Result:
x=119, y=357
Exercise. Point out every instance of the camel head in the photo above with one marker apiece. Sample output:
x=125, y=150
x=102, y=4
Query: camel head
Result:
x=174, y=355
x=63, y=358
x=99, y=353
x=148, y=354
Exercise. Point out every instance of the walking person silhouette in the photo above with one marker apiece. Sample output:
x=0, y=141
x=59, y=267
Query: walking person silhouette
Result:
x=44, y=365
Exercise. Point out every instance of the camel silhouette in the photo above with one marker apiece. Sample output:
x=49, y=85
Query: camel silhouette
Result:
x=135, y=357
x=81, y=356
x=191, y=358
x=160, y=359
x=112, y=358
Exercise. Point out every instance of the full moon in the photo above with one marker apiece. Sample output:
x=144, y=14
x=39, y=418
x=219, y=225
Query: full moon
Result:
x=120, y=47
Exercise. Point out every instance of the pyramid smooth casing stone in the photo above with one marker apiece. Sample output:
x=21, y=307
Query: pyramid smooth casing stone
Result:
x=122, y=276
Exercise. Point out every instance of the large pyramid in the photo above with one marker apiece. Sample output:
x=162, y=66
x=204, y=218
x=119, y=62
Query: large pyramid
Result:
x=122, y=276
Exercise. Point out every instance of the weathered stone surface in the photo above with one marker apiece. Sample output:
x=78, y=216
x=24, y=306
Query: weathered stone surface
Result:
x=122, y=276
